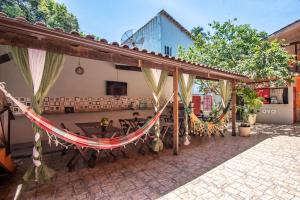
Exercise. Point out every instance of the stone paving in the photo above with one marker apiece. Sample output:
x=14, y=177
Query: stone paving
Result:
x=263, y=166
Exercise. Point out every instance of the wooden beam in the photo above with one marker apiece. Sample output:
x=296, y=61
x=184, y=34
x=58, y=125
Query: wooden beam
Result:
x=16, y=30
x=175, y=113
x=233, y=110
x=78, y=51
x=296, y=56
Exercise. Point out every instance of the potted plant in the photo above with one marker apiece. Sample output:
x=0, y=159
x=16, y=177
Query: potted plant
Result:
x=245, y=127
x=104, y=123
x=251, y=105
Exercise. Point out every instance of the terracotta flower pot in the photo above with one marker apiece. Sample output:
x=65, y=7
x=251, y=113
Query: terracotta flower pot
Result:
x=244, y=131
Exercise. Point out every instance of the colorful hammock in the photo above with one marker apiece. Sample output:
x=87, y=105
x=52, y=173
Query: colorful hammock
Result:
x=200, y=127
x=83, y=141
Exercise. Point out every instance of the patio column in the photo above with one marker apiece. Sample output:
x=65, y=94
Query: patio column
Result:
x=233, y=110
x=175, y=113
x=296, y=51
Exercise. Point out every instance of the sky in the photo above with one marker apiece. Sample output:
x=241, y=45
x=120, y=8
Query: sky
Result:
x=109, y=19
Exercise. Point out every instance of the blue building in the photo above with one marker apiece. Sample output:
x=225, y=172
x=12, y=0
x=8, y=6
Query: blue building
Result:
x=161, y=34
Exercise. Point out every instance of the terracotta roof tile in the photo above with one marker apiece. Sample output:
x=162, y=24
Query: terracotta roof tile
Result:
x=61, y=30
x=116, y=44
x=39, y=23
x=2, y=14
x=104, y=41
x=125, y=46
x=22, y=19
x=72, y=32
x=91, y=37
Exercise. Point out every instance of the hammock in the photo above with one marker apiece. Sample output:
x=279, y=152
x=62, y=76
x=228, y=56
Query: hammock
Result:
x=83, y=141
x=200, y=127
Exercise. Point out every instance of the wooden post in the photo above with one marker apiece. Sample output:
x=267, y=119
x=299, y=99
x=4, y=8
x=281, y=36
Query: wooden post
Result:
x=296, y=56
x=175, y=113
x=233, y=110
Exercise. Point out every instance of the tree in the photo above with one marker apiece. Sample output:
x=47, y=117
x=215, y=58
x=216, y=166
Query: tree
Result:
x=49, y=11
x=241, y=49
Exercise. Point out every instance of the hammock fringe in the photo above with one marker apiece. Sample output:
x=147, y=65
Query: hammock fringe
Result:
x=199, y=127
x=83, y=141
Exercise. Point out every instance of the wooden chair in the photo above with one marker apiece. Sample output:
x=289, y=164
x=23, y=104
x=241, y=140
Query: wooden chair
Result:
x=79, y=153
x=110, y=123
x=65, y=150
x=109, y=153
x=124, y=126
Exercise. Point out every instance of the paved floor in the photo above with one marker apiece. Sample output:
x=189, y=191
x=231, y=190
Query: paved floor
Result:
x=263, y=166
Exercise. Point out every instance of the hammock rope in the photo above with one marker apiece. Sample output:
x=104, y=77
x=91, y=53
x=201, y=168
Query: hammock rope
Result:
x=200, y=127
x=83, y=141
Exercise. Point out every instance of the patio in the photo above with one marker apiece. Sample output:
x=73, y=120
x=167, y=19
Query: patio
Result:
x=264, y=166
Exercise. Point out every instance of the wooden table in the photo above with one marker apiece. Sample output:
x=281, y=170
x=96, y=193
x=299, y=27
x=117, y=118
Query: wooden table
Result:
x=134, y=122
x=92, y=129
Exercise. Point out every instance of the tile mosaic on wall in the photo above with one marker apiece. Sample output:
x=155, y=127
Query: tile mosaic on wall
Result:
x=86, y=104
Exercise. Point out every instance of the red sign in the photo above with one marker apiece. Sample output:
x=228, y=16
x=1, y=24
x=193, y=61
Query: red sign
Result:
x=265, y=93
x=197, y=103
x=207, y=103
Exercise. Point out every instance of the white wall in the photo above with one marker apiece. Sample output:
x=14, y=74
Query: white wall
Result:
x=90, y=84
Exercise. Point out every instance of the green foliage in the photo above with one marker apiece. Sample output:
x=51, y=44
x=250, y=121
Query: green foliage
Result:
x=49, y=11
x=251, y=102
x=215, y=112
x=239, y=48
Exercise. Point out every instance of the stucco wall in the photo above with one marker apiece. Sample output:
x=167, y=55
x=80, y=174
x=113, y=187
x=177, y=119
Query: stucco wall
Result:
x=91, y=83
x=277, y=113
x=172, y=36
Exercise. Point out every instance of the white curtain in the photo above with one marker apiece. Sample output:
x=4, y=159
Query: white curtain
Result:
x=156, y=80
x=225, y=91
x=36, y=60
x=36, y=65
x=186, y=83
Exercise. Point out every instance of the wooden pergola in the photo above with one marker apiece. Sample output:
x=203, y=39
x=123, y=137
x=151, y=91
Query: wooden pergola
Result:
x=19, y=32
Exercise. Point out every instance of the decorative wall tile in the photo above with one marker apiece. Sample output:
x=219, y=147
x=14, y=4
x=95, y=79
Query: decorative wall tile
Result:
x=85, y=104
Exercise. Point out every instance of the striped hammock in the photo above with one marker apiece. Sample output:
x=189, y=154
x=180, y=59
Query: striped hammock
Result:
x=83, y=141
x=200, y=127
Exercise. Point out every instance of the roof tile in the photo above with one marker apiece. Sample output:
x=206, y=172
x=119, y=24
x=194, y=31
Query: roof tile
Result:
x=115, y=44
x=91, y=37
x=125, y=46
x=21, y=19
x=40, y=23
x=103, y=41
x=59, y=29
x=74, y=33
x=2, y=14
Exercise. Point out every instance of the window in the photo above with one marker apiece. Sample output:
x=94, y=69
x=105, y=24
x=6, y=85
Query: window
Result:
x=168, y=50
x=274, y=95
